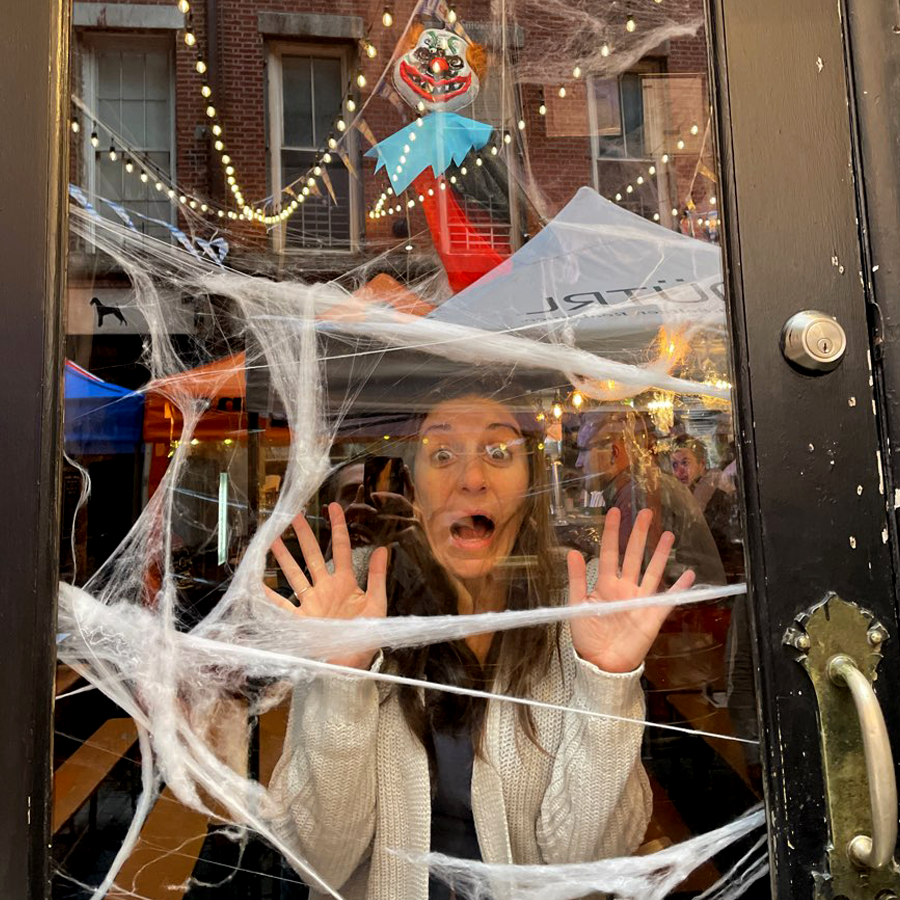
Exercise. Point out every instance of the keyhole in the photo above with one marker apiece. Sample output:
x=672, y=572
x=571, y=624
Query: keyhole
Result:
x=824, y=345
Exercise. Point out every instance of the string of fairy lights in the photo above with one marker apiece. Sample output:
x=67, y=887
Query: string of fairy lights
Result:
x=387, y=203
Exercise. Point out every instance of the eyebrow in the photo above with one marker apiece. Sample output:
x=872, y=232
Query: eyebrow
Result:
x=445, y=426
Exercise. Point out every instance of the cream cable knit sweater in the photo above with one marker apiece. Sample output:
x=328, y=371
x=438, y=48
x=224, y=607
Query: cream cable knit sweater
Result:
x=355, y=785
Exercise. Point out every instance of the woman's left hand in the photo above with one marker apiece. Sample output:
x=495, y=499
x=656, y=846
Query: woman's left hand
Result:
x=619, y=642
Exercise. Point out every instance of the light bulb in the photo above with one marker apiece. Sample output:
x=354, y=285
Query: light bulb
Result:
x=390, y=190
x=341, y=125
x=521, y=124
x=361, y=79
x=665, y=157
x=410, y=204
x=507, y=138
x=351, y=105
x=231, y=180
x=206, y=90
x=219, y=145
x=479, y=161
x=220, y=213
x=189, y=38
x=680, y=144
x=95, y=140
x=182, y=199
x=712, y=201
x=159, y=185
x=211, y=111
x=463, y=171
x=317, y=170
x=420, y=121
x=200, y=67
x=542, y=109
x=171, y=193
x=229, y=170
x=113, y=156
x=75, y=126
x=494, y=151
x=562, y=92
x=557, y=410
x=305, y=191
x=408, y=248
x=421, y=198
x=576, y=72
x=451, y=16
x=630, y=24
x=655, y=217
x=371, y=51
x=184, y=6
x=695, y=129
x=420, y=106
x=430, y=192
x=129, y=167
x=674, y=211
x=387, y=19
x=145, y=177
x=406, y=148
x=217, y=130
x=618, y=197
x=326, y=158
x=604, y=49
x=402, y=159
x=226, y=159
x=640, y=179
x=652, y=170
x=332, y=143
x=452, y=179
x=412, y=135
x=629, y=189
x=577, y=399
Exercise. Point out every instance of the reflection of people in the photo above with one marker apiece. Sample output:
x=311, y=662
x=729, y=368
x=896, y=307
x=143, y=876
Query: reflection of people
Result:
x=616, y=459
x=715, y=495
x=366, y=773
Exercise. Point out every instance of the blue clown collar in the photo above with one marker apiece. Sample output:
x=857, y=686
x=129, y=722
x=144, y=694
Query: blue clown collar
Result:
x=442, y=138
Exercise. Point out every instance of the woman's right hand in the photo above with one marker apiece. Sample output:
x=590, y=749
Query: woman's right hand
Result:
x=335, y=594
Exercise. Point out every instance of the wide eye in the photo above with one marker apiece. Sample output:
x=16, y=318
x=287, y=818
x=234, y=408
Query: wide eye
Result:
x=423, y=54
x=443, y=456
x=500, y=452
x=456, y=62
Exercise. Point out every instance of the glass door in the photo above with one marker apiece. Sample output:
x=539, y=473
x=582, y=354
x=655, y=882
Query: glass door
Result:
x=357, y=525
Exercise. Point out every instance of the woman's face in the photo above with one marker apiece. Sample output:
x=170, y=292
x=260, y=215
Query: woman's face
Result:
x=472, y=480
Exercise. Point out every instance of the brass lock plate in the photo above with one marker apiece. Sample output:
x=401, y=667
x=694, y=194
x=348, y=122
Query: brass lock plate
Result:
x=832, y=628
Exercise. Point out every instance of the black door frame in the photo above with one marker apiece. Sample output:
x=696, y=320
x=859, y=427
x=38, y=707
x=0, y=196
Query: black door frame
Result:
x=34, y=44
x=789, y=197
x=810, y=447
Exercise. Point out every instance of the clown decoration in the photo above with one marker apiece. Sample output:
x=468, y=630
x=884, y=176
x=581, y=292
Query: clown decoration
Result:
x=440, y=72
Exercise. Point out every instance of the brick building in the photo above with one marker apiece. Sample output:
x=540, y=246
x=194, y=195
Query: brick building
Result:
x=279, y=74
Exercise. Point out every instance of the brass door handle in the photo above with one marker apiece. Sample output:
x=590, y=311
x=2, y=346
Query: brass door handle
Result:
x=876, y=851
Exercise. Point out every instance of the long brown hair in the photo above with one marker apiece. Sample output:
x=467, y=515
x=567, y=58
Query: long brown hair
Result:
x=419, y=585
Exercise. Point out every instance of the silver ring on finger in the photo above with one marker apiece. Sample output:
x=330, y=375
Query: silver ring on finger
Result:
x=296, y=596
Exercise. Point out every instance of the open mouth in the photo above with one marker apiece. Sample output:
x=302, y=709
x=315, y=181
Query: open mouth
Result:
x=431, y=89
x=472, y=531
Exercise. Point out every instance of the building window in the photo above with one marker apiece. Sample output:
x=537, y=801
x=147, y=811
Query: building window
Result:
x=128, y=91
x=306, y=87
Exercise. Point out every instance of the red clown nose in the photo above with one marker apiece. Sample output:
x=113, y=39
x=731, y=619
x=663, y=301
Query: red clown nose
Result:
x=439, y=65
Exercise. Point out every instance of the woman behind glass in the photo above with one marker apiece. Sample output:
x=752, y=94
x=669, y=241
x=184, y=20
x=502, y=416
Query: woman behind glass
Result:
x=369, y=769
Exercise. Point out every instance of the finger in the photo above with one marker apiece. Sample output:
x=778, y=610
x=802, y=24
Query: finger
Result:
x=609, y=545
x=376, y=583
x=577, y=577
x=277, y=600
x=657, y=565
x=360, y=497
x=312, y=555
x=291, y=568
x=637, y=543
x=685, y=581
x=341, y=551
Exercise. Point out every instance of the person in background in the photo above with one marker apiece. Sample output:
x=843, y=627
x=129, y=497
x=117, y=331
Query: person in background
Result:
x=715, y=495
x=616, y=459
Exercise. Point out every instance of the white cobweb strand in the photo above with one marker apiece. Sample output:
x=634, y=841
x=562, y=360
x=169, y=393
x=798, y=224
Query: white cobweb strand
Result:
x=649, y=877
x=124, y=629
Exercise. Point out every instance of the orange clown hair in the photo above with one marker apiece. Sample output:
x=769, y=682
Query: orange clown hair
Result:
x=476, y=55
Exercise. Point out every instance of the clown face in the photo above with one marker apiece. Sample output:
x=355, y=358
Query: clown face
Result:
x=436, y=72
